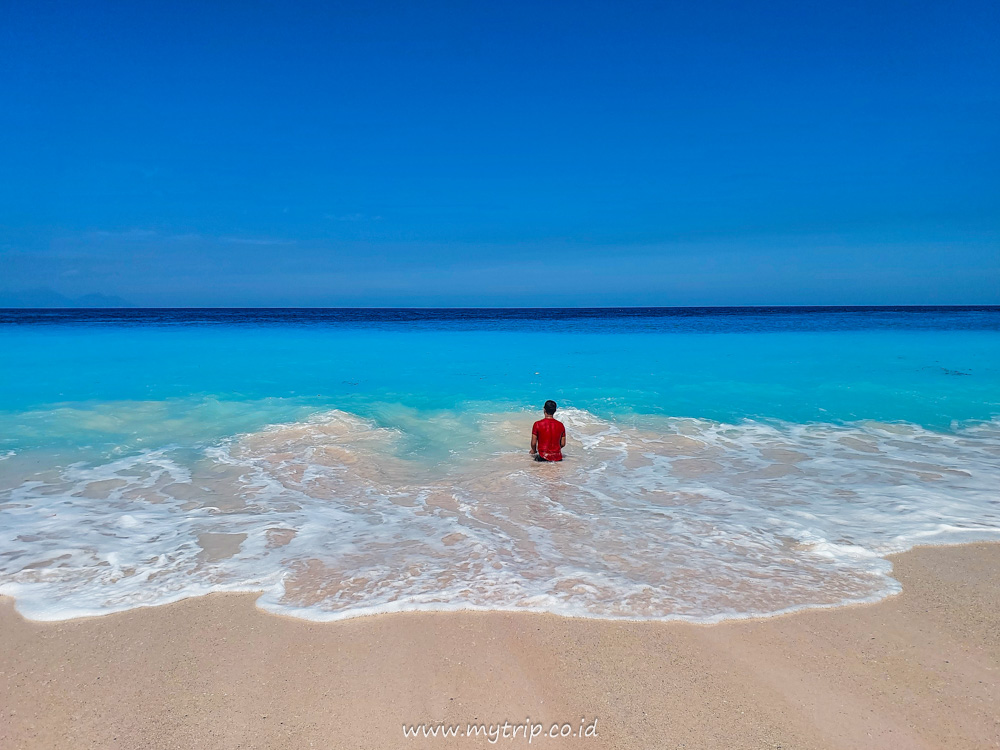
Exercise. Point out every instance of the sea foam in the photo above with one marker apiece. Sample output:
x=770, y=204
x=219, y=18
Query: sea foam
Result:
x=647, y=518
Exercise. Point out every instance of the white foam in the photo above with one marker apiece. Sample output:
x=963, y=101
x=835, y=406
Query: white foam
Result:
x=653, y=519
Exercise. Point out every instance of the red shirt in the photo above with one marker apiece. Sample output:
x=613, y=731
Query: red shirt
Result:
x=550, y=432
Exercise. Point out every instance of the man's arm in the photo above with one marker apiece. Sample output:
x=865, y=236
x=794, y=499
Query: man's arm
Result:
x=562, y=440
x=534, y=442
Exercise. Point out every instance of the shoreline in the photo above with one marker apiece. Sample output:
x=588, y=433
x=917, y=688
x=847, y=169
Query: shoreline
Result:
x=750, y=519
x=334, y=618
x=918, y=669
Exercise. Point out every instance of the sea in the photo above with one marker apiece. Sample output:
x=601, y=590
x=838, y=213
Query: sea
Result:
x=720, y=462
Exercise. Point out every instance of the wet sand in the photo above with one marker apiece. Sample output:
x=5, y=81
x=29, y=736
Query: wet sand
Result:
x=919, y=670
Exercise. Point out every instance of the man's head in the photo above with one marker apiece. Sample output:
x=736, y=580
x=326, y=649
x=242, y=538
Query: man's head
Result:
x=550, y=407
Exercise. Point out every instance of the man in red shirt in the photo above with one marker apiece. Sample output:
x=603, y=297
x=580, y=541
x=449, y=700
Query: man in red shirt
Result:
x=548, y=436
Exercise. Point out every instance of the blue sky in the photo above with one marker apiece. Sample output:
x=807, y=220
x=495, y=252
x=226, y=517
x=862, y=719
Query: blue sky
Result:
x=252, y=153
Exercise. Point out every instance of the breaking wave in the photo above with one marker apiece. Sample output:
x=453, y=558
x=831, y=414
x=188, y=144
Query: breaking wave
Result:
x=656, y=518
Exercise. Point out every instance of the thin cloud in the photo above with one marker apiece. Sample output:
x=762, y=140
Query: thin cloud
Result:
x=254, y=241
x=137, y=235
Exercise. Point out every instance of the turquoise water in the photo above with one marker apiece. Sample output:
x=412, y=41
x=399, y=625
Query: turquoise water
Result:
x=721, y=463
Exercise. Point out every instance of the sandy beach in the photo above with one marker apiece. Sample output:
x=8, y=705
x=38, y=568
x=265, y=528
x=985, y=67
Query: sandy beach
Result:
x=919, y=670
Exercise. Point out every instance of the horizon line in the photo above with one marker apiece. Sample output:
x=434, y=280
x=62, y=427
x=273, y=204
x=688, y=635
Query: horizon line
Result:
x=138, y=308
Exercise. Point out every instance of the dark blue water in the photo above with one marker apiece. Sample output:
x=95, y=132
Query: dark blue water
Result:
x=610, y=319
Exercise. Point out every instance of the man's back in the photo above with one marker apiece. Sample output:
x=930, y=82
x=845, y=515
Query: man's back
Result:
x=550, y=432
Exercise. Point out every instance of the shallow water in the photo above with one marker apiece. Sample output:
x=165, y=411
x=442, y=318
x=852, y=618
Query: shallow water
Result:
x=719, y=465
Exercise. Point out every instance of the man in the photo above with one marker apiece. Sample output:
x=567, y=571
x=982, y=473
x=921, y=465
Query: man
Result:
x=548, y=436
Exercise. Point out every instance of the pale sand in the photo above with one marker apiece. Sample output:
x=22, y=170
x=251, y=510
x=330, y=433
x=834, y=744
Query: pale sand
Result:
x=920, y=670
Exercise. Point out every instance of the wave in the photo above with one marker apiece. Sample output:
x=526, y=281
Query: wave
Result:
x=655, y=518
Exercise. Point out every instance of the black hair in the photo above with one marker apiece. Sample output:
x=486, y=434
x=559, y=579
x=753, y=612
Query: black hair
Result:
x=550, y=407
